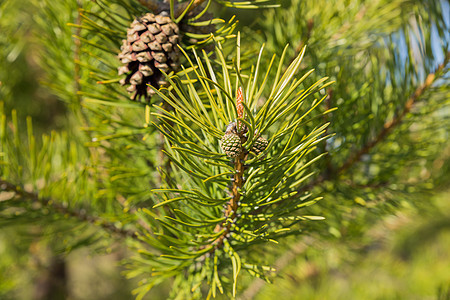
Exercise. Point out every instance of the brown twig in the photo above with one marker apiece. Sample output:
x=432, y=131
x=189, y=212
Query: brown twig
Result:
x=233, y=205
x=63, y=210
x=238, y=178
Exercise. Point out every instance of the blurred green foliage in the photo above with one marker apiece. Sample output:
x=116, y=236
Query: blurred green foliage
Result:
x=403, y=256
x=21, y=75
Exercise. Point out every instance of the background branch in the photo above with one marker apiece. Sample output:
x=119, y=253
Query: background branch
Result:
x=391, y=124
x=57, y=207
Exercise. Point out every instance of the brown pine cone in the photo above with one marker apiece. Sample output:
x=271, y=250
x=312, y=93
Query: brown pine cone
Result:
x=150, y=47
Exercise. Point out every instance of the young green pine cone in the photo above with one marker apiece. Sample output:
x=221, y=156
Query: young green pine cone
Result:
x=260, y=145
x=231, y=145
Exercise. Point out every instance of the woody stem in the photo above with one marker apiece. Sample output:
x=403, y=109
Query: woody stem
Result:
x=233, y=204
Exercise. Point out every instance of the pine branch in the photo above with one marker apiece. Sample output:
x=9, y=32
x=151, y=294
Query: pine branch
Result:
x=391, y=124
x=192, y=232
x=233, y=204
x=387, y=129
x=59, y=208
x=238, y=179
x=290, y=255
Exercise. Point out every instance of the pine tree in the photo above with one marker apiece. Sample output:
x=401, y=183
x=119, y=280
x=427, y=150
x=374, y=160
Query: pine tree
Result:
x=203, y=146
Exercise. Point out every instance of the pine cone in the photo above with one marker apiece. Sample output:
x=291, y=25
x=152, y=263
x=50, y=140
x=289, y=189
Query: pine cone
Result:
x=231, y=145
x=260, y=145
x=150, y=47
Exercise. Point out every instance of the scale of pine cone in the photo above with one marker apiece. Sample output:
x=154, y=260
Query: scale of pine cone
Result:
x=150, y=47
